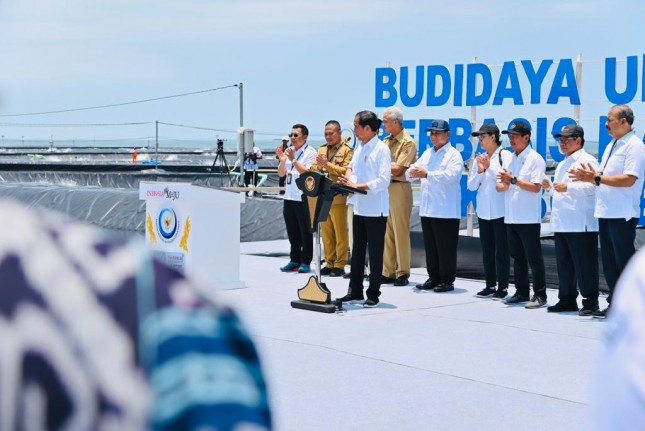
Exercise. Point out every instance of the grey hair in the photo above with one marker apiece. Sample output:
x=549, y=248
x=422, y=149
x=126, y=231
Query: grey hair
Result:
x=624, y=111
x=394, y=113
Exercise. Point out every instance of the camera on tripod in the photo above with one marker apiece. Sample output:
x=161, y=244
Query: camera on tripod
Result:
x=250, y=156
x=220, y=145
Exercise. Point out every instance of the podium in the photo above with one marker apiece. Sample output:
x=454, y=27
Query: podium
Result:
x=317, y=194
x=195, y=230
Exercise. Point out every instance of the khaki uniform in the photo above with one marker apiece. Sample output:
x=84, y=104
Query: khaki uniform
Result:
x=396, y=256
x=334, y=229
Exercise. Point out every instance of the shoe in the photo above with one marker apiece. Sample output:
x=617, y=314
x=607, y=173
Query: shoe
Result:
x=351, y=296
x=486, y=293
x=500, y=294
x=428, y=285
x=587, y=312
x=326, y=271
x=290, y=267
x=537, y=302
x=562, y=306
x=516, y=299
x=444, y=287
x=337, y=272
x=370, y=303
x=304, y=268
x=401, y=281
x=387, y=280
x=601, y=314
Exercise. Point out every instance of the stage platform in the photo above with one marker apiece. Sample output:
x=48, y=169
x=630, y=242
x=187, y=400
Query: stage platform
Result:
x=420, y=361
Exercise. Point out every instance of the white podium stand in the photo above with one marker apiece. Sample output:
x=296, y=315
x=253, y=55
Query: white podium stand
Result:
x=196, y=230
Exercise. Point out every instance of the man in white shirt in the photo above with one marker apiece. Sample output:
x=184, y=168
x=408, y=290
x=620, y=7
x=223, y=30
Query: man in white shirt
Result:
x=619, y=182
x=369, y=170
x=490, y=211
x=574, y=226
x=521, y=182
x=439, y=170
x=296, y=160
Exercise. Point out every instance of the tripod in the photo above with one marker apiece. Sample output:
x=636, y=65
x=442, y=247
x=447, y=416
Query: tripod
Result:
x=220, y=160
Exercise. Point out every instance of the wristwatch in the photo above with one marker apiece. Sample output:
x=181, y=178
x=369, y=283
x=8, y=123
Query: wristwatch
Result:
x=596, y=179
x=514, y=180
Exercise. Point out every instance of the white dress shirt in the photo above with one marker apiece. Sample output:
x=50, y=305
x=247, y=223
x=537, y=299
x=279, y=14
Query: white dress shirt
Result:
x=371, y=165
x=522, y=206
x=626, y=158
x=305, y=155
x=489, y=202
x=572, y=211
x=440, y=191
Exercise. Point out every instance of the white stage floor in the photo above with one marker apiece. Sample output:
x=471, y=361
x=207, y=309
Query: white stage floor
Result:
x=420, y=361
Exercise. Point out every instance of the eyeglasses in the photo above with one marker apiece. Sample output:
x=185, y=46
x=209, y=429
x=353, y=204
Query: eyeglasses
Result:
x=482, y=136
x=564, y=139
x=294, y=135
x=437, y=132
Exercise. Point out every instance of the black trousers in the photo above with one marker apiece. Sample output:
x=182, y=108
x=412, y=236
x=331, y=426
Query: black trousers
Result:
x=440, y=238
x=497, y=261
x=576, y=256
x=368, y=233
x=526, y=250
x=301, y=240
x=616, y=247
x=250, y=176
x=281, y=181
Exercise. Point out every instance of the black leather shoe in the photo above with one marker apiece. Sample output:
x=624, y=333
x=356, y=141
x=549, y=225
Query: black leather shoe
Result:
x=401, y=280
x=387, y=280
x=444, y=287
x=352, y=296
x=326, y=271
x=587, y=311
x=337, y=272
x=562, y=306
x=428, y=285
x=601, y=314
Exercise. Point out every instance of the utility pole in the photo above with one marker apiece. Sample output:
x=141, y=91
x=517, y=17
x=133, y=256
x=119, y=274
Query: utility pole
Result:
x=156, y=142
x=241, y=87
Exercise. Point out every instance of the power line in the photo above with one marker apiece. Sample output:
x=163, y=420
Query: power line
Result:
x=198, y=127
x=118, y=104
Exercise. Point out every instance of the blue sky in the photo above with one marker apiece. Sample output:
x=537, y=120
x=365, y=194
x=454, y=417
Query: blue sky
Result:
x=300, y=61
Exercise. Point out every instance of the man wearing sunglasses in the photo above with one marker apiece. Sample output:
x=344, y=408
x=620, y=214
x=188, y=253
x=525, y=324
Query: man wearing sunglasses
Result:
x=574, y=226
x=296, y=160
